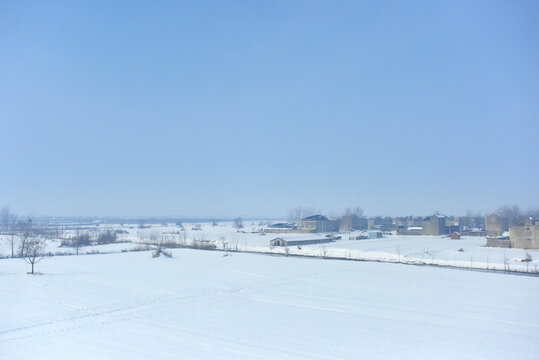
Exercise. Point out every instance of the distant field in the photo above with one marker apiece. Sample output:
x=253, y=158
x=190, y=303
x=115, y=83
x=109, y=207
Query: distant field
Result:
x=466, y=252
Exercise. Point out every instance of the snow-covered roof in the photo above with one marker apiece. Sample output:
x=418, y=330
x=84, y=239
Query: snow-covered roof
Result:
x=315, y=217
x=300, y=238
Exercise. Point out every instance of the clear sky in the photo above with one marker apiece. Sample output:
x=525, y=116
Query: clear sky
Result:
x=250, y=108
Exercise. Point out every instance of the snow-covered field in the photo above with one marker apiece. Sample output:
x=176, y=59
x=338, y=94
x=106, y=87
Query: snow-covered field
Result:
x=203, y=305
x=468, y=252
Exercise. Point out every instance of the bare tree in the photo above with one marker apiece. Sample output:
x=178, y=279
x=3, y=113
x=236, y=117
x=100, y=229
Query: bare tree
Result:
x=107, y=237
x=183, y=237
x=8, y=221
x=5, y=218
x=33, y=250
x=12, y=240
x=25, y=232
x=238, y=223
x=354, y=211
x=142, y=236
x=296, y=214
x=350, y=217
x=531, y=212
x=508, y=211
x=53, y=232
x=512, y=213
x=82, y=238
x=154, y=236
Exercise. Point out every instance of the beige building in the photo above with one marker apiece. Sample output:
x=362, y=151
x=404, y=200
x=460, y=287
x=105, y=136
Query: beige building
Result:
x=352, y=222
x=318, y=223
x=496, y=225
x=525, y=236
x=434, y=225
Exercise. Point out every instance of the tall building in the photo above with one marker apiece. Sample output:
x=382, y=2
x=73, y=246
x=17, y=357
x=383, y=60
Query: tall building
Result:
x=434, y=225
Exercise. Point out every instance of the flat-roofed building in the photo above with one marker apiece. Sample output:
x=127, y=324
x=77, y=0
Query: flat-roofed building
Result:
x=318, y=223
x=434, y=225
x=525, y=236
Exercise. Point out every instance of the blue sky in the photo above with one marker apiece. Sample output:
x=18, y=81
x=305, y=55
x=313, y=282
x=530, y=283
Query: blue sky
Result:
x=250, y=108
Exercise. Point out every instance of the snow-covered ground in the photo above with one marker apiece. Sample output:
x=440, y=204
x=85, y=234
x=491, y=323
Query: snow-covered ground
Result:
x=468, y=252
x=203, y=305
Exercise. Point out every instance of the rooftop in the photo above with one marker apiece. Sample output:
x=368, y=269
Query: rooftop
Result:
x=315, y=217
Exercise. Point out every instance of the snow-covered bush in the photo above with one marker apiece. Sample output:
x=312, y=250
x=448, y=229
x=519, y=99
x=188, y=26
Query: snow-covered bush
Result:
x=142, y=248
x=107, y=237
x=80, y=239
x=159, y=251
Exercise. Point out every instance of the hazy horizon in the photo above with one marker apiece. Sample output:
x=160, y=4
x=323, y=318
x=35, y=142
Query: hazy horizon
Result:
x=224, y=109
x=284, y=216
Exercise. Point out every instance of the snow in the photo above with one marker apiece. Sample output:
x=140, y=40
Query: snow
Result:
x=203, y=305
x=408, y=249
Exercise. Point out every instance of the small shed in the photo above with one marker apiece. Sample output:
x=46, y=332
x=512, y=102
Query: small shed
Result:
x=454, y=235
x=299, y=240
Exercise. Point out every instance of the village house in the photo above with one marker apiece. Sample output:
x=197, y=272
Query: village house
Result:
x=496, y=225
x=383, y=223
x=434, y=225
x=299, y=240
x=318, y=223
x=281, y=228
x=525, y=236
x=352, y=222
